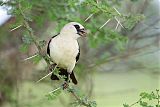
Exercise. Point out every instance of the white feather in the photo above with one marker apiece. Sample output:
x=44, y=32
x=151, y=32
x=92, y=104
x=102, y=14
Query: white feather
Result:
x=63, y=51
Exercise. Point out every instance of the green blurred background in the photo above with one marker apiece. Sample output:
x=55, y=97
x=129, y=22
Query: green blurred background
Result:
x=115, y=66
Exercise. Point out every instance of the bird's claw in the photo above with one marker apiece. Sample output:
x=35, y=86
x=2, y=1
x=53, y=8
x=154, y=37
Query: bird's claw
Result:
x=65, y=85
x=51, y=67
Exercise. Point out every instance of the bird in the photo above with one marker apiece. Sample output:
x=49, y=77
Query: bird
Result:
x=64, y=50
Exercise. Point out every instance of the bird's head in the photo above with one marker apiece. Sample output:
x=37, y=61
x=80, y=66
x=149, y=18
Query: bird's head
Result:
x=74, y=30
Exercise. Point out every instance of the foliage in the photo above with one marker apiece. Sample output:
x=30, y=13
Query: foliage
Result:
x=54, y=94
x=62, y=12
x=146, y=98
x=65, y=11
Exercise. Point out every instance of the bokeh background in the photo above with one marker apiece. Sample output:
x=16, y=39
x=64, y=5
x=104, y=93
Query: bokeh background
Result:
x=115, y=64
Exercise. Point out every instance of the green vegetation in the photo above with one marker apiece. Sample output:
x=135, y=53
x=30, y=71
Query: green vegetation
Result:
x=108, y=24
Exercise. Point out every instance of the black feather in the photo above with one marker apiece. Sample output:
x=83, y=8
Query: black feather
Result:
x=48, y=48
x=63, y=72
x=72, y=76
x=77, y=57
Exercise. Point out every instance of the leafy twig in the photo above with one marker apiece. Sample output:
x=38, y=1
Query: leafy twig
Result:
x=26, y=24
x=144, y=97
x=158, y=98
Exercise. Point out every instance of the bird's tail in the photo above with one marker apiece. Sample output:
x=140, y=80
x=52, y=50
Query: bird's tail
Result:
x=63, y=72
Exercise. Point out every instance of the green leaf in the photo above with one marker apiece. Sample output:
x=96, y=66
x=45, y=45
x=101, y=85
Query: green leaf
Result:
x=27, y=39
x=131, y=20
x=24, y=48
x=125, y=105
x=36, y=59
x=143, y=104
x=42, y=43
x=93, y=104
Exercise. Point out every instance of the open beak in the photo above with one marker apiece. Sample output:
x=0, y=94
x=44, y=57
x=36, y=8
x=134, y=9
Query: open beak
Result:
x=82, y=32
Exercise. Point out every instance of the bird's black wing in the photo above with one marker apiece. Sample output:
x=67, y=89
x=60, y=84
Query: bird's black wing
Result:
x=48, y=48
x=63, y=72
x=77, y=57
x=72, y=76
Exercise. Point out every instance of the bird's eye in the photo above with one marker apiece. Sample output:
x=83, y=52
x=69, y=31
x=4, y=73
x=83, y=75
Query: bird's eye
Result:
x=77, y=27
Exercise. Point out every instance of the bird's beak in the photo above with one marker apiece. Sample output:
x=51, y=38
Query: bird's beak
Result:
x=82, y=32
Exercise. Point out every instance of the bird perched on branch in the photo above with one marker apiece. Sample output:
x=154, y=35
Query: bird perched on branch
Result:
x=64, y=49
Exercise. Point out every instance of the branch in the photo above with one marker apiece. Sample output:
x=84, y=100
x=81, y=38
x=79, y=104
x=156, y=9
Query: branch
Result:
x=26, y=25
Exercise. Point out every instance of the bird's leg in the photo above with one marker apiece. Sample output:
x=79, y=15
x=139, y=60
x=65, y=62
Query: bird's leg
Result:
x=66, y=83
x=68, y=80
x=51, y=67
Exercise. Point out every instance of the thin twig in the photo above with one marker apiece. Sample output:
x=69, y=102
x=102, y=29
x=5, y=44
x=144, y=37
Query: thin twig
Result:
x=78, y=98
x=135, y=102
x=28, y=27
x=26, y=24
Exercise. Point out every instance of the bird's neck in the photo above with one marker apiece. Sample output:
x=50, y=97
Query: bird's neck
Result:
x=68, y=35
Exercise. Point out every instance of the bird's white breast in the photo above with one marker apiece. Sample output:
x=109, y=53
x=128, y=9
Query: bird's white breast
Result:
x=63, y=51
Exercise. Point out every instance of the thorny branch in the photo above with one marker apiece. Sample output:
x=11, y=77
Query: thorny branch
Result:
x=29, y=29
x=118, y=22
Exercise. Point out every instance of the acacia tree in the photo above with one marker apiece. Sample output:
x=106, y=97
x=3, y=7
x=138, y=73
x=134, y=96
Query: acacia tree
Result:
x=31, y=15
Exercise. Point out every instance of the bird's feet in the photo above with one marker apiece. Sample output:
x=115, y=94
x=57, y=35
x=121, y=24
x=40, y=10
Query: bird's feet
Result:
x=51, y=67
x=65, y=85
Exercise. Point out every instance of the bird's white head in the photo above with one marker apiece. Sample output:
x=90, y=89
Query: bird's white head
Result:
x=74, y=30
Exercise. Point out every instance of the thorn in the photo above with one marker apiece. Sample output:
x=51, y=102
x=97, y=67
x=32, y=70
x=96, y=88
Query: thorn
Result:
x=46, y=75
x=117, y=26
x=104, y=23
x=15, y=28
x=30, y=57
x=117, y=11
x=54, y=90
x=88, y=17
x=119, y=23
x=97, y=1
